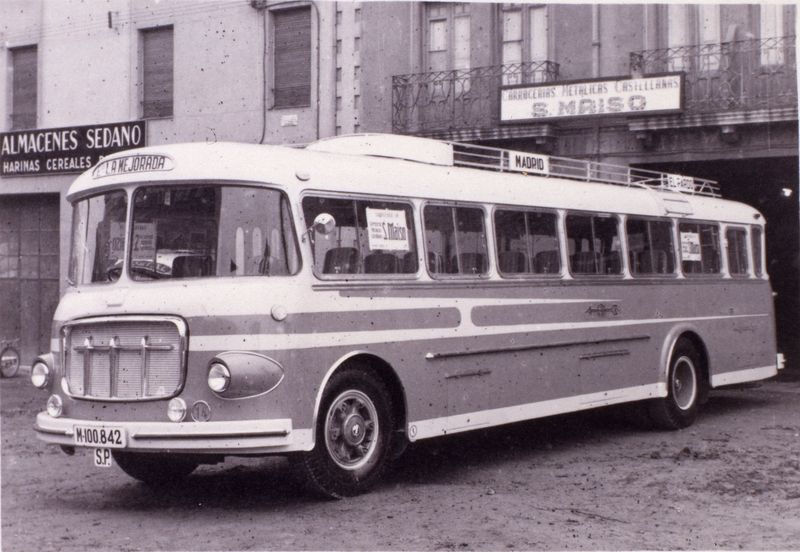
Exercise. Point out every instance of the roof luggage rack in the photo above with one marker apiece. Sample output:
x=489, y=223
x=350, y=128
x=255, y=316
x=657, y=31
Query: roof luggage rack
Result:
x=459, y=154
x=502, y=160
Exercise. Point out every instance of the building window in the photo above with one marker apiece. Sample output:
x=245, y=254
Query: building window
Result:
x=771, y=26
x=449, y=36
x=524, y=38
x=24, y=87
x=292, y=57
x=709, y=32
x=157, y=72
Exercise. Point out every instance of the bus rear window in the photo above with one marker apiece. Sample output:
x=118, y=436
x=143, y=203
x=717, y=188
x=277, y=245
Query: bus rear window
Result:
x=211, y=231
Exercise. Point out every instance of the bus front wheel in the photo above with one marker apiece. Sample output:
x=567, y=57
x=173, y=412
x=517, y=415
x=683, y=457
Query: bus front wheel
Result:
x=684, y=389
x=352, y=435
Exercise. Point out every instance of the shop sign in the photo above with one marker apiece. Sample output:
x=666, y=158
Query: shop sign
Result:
x=67, y=149
x=619, y=96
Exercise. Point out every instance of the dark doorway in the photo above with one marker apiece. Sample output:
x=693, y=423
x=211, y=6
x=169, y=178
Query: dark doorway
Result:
x=29, y=268
x=771, y=186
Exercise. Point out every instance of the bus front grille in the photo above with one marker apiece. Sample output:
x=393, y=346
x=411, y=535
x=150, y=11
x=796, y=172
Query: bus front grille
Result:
x=125, y=358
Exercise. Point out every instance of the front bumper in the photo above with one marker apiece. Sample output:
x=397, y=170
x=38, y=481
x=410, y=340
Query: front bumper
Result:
x=237, y=437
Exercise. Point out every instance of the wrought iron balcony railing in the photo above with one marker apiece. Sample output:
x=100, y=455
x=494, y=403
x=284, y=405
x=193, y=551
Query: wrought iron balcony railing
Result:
x=424, y=103
x=730, y=76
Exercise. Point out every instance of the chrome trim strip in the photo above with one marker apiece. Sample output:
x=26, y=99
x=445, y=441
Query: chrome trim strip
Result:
x=240, y=435
x=517, y=348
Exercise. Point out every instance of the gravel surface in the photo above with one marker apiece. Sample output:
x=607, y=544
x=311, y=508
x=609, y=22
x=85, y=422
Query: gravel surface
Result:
x=585, y=481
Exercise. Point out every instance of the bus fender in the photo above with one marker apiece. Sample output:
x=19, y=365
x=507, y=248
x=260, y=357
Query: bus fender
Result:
x=338, y=363
x=669, y=345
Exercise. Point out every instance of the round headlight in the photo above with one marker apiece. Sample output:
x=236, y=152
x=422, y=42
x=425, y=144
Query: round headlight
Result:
x=176, y=410
x=40, y=374
x=55, y=407
x=219, y=377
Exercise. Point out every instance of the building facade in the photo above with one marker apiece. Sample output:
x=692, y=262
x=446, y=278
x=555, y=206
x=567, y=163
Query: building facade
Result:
x=84, y=79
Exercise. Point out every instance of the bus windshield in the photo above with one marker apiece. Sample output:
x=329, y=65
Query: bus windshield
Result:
x=184, y=232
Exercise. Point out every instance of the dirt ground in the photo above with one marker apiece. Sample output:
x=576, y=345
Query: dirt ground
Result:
x=586, y=481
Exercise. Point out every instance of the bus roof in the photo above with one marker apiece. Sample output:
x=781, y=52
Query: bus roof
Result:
x=403, y=166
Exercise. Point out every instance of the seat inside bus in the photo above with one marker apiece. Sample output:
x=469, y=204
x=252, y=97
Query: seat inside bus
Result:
x=341, y=260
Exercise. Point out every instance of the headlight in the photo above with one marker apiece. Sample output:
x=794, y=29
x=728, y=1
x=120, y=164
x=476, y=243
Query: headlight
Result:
x=176, y=410
x=219, y=377
x=55, y=407
x=40, y=374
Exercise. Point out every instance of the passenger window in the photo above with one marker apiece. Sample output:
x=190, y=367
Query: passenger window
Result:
x=455, y=240
x=370, y=237
x=650, y=247
x=755, y=236
x=527, y=242
x=594, y=246
x=737, y=251
x=700, y=249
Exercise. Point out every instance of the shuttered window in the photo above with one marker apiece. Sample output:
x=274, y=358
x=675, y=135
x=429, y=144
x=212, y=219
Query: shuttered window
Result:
x=292, y=53
x=157, y=72
x=24, y=88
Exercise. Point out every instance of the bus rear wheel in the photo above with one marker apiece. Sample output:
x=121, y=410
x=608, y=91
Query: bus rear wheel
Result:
x=685, y=389
x=352, y=435
x=154, y=469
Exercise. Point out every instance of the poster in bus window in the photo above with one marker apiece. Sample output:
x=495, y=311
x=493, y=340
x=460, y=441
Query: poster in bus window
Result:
x=144, y=241
x=387, y=230
x=690, y=246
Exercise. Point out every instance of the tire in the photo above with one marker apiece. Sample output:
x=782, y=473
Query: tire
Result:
x=154, y=469
x=352, y=436
x=685, y=389
x=9, y=362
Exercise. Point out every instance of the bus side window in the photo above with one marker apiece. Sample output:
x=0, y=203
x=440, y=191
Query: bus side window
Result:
x=700, y=248
x=650, y=249
x=455, y=239
x=596, y=244
x=737, y=251
x=370, y=237
x=527, y=242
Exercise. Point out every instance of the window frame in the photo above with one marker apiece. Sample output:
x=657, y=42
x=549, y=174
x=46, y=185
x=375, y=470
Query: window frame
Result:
x=23, y=120
x=273, y=80
x=722, y=269
x=143, y=100
x=559, y=244
x=487, y=241
x=674, y=252
x=747, y=252
x=758, y=261
x=623, y=266
x=361, y=277
x=451, y=12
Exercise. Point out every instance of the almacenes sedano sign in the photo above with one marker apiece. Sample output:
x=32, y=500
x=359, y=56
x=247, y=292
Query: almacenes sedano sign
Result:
x=65, y=150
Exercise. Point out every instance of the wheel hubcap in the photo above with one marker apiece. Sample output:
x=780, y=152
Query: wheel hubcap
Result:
x=684, y=383
x=351, y=430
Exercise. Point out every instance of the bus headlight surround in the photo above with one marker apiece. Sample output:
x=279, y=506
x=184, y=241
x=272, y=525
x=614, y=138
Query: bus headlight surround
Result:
x=41, y=374
x=176, y=409
x=55, y=406
x=219, y=377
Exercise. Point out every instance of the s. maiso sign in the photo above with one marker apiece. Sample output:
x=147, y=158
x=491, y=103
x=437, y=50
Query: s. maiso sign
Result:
x=589, y=98
x=67, y=149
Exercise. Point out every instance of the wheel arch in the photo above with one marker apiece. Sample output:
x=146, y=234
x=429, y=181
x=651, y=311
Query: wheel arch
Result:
x=692, y=334
x=378, y=366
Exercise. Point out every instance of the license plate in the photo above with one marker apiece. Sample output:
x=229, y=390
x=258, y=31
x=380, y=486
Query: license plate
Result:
x=99, y=436
x=102, y=458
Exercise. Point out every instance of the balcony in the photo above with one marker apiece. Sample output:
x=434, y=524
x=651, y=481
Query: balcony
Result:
x=743, y=76
x=461, y=103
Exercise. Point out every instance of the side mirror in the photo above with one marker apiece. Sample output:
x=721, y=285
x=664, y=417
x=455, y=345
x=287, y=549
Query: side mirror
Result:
x=324, y=224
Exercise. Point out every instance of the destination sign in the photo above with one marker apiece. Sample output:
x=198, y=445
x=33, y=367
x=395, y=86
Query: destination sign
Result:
x=65, y=150
x=528, y=162
x=131, y=164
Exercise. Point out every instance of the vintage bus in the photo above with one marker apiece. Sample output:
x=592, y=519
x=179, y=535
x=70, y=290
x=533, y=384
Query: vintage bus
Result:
x=334, y=302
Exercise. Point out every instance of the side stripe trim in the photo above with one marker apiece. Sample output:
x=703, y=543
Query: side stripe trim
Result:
x=741, y=376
